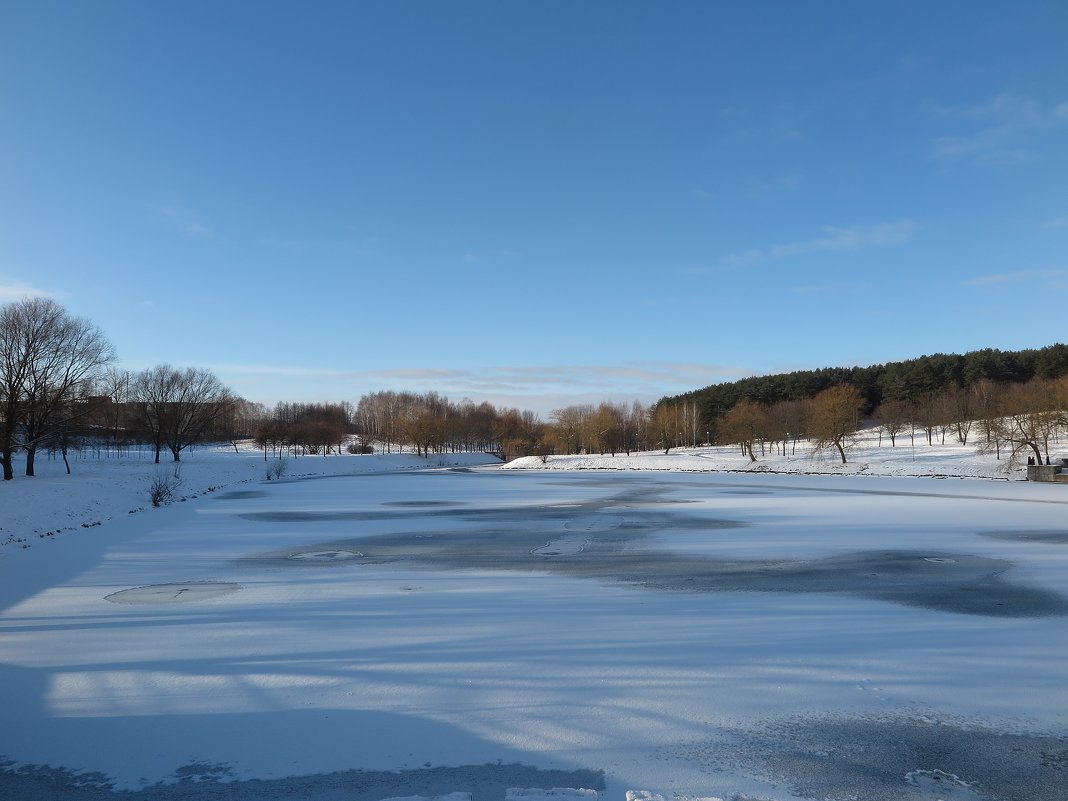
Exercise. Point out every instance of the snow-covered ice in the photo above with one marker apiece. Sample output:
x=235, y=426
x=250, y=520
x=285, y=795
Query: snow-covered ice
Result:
x=387, y=632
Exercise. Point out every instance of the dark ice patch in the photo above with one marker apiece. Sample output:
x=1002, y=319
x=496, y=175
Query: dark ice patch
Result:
x=900, y=759
x=946, y=582
x=175, y=593
x=240, y=495
x=615, y=549
x=200, y=782
x=1050, y=537
x=423, y=504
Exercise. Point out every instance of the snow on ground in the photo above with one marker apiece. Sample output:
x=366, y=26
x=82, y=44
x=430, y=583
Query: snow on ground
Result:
x=103, y=486
x=362, y=630
x=869, y=455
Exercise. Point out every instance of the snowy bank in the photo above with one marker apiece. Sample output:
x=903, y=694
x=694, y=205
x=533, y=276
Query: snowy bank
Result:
x=868, y=456
x=107, y=487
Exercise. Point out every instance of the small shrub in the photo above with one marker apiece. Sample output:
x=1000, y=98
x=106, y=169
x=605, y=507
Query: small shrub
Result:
x=277, y=470
x=162, y=488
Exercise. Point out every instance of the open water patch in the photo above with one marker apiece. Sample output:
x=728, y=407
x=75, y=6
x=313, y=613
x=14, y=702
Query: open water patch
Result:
x=176, y=593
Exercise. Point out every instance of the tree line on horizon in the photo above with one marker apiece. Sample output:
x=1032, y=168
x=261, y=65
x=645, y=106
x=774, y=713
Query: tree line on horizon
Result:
x=60, y=391
x=907, y=380
x=1016, y=400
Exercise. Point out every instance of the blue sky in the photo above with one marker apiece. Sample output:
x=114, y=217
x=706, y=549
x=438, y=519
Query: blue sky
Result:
x=536, y=203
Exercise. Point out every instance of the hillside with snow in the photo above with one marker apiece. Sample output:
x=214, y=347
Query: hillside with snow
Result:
x=870, y=454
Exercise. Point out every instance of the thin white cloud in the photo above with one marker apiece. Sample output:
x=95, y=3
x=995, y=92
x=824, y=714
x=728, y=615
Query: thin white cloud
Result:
x=782, y=123
x=1001, y=132
x=834, y=238
x=486, y=255
x=826, y=289
x=762, y=186
x=539, y=388
x=183, y=220
x=19, y=290
x=1059, y=222
x=499, y=377
x=1048, y=279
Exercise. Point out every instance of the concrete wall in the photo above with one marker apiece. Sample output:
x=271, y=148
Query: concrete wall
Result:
x=1046, y=472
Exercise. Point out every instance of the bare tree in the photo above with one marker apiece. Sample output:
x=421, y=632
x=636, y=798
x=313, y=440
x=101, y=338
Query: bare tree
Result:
x=960, y=405
x=379, y=417
x=16, y=351
x=637, y=426
x=239, y=420
x=690, y=418
x=176, y=407
x=70, y=360
x=518, y=433
x=48, y=360
x=111, y=411
x=745, y=425
x=789, y=420
x=989, y=400
x=834, y=418
x=928, y=414
x=270, y=433
x=608, y=428
x=314, y=428
x=664, y=425
x=893, y=417
x=570, y=426
x=1033, y=419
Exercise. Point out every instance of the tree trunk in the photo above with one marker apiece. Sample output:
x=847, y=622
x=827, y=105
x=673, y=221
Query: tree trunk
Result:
x=841, y=451
x=6, y=461
x=1038, y=453
x=31, y=454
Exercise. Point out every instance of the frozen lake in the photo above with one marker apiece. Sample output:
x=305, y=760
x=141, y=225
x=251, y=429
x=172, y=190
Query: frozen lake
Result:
x=690, y=635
